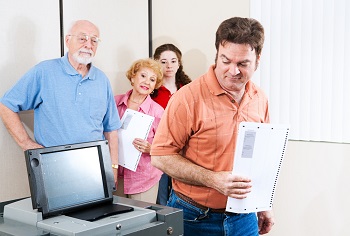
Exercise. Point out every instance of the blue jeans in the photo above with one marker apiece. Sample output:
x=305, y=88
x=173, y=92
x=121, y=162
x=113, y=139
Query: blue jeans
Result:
x=200, y=222
x=164, y=189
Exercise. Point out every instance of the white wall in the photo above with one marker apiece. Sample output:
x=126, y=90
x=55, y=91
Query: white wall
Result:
x=123, y=28
x=191, y=26
x=312, y=192
x=29, y=37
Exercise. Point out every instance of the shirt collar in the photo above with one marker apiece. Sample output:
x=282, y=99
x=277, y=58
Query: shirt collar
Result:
x=145, y=106
x=71, y=71
x=216, y=89
x=212, y=81
x=162, y=87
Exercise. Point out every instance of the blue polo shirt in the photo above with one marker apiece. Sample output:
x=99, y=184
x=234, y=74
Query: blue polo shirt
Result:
x=67, y=107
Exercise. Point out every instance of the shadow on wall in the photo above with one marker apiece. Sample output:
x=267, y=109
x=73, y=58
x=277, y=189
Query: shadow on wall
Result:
x=194, y=60
x=124, y=57
x=195, y=63
x=163, y=40
x=20, y=46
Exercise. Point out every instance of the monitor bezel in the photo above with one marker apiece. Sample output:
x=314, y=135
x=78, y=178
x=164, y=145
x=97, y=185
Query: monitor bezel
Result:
x=39, y=196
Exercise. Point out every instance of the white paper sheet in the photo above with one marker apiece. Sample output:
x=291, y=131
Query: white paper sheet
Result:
x=134, y=125
x=259, y=154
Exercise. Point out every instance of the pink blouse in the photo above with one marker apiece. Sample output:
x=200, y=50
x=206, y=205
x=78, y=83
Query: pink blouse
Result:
x=146, y=175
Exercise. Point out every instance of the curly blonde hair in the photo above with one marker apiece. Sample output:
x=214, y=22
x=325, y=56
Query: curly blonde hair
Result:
x=146, y=63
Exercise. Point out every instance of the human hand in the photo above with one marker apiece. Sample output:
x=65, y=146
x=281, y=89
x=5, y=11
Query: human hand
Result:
x=31, y=145
x=142, y=145
x=234, y=186
x=265, y=221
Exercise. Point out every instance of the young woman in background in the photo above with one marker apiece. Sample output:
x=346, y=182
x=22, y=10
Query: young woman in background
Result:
x=174, y=78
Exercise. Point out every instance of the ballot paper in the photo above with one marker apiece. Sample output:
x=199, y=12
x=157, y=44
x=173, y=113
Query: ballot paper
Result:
x=134, y=125
x=259, y=154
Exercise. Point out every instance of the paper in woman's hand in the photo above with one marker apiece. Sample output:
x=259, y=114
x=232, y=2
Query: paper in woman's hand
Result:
x=134, y=125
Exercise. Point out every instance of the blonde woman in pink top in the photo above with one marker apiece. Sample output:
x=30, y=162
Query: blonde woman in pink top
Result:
x=145, y=75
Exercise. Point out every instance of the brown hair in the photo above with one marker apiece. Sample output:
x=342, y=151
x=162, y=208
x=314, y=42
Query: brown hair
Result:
x=181, y=78
x=241, y=31
x=146, y=63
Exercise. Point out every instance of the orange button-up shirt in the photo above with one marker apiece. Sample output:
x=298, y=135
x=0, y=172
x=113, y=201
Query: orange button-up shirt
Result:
x=201, y=121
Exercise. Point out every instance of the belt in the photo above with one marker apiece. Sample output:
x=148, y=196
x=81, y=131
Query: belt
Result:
x=200, y=206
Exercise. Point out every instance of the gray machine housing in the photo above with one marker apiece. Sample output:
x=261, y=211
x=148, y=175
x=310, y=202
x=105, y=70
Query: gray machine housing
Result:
x=35, y=216
x=147, y=219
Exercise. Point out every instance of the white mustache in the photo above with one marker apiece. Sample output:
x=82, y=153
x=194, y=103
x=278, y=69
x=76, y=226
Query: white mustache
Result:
x=87, y=51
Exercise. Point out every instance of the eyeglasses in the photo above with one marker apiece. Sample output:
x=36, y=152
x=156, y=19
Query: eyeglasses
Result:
x=83, y=38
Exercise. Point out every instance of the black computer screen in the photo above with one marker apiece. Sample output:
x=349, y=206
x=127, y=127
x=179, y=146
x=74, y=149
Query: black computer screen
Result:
x=72, y=177
x=67, y=178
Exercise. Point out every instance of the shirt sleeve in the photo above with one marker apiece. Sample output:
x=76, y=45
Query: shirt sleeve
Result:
x=26, y=93
x=174, y=128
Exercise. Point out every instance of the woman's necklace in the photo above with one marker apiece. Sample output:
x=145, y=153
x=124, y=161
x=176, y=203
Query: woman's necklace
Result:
x=134, y=101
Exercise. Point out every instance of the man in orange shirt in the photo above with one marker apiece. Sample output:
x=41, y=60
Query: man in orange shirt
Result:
x=195, y=140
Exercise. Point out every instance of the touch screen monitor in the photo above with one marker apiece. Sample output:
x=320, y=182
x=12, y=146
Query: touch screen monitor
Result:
x=75, y=180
